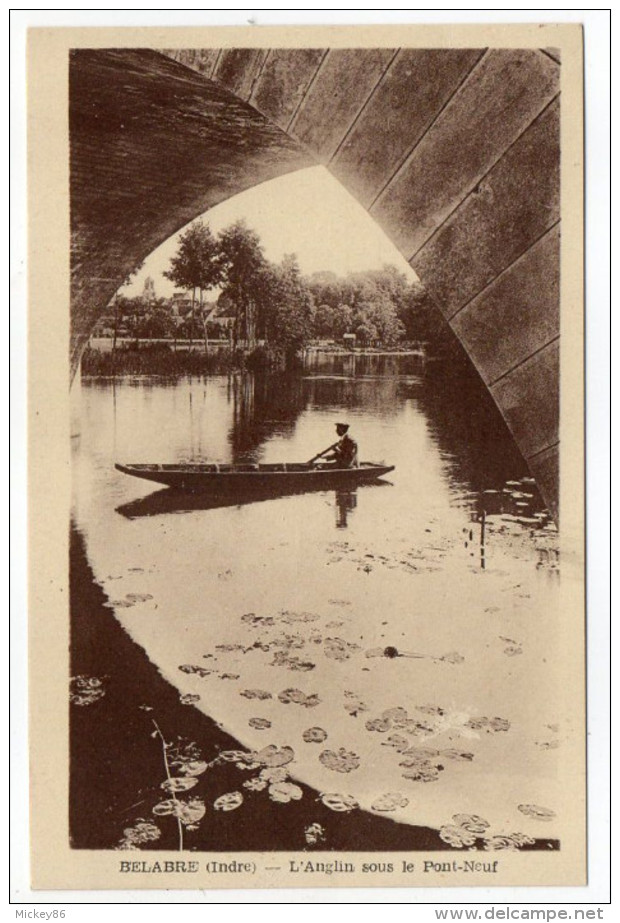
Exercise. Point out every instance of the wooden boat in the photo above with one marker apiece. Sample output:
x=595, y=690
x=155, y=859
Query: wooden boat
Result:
x=244, y=478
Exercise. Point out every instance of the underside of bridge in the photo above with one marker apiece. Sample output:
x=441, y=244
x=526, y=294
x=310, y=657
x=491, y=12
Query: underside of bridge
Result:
x=453, y=152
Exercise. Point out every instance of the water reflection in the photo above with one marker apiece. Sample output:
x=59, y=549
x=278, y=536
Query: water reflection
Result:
x=346, y=502
x=169, y=501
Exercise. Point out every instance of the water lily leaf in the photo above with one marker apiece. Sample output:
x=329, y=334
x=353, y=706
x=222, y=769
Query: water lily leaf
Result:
x=456, y=836
x=179, y=784
x=229, y=802
x=289, y=617
x=292, y=695
x=85, y=690
x=284, y=792
x=338, y=649
x=488, y=724
x=390, y=802
x=141, y=832
x=416, y=755
x=337, y=802
x=255, y=785
x=232, y=756
x=395, y=714
x=274, y=756
x=190, y=812
x=422, y=772
x=193, y=668
x=314, y=834
x=273, y=775
x=193, y=767
x=471, y=822
x=314, y=735
x=500, y=842
x=189, y=698
x=341, y=761
x=283, y=659
x=381, y=725
x=261, y=724
x=535, y=811
x=165, y=807
x=256, y=694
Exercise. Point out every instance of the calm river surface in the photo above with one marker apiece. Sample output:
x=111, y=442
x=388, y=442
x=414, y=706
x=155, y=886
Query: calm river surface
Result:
x=274, y=615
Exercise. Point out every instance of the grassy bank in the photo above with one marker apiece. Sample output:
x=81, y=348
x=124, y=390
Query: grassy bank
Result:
x=160, y=360
x=165, y=362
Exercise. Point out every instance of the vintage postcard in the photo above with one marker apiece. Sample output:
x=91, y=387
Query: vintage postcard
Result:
x=306, y=457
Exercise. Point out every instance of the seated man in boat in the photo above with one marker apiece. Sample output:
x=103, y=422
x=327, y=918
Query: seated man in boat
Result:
x=344, y=454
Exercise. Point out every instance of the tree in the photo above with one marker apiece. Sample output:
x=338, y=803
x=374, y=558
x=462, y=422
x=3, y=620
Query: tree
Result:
x=197, y=264
x=244, y=265
x=287, y=308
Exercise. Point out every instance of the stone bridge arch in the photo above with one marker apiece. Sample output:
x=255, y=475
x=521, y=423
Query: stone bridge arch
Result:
x=454, y=152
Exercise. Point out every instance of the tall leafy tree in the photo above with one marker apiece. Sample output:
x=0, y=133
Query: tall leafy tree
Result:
x=244, y=266
x=288, y=308
x=198, y=265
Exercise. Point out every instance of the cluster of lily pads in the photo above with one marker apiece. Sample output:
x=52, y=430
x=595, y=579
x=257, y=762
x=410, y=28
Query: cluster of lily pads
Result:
x=86, y=690
x=466, y=829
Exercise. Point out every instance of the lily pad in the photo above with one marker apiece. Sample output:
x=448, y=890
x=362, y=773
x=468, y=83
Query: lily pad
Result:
x=188, y=812
x=228, y=802
x=261, y=724
x=395, y=714
x=341, y=761
x=337, y=802
x=179, y=784
x=337, y=649
x=86, y=690
x=380, y=725
x=471, y=822
x=273, y=756
x=189, y=698
x=277, y=774
x=284, y=792
x=314, y=735
x=296, y=696
x=314, y=833
x=255, y=784
x=165, y=807
x=456, y=836
x=193, y=767
x=142, y=832
x=390, y=802
x=256, y=694
x=193, y=668
x=535, y=811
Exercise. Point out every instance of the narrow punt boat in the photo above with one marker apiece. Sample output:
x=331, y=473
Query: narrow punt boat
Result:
x=242, y=478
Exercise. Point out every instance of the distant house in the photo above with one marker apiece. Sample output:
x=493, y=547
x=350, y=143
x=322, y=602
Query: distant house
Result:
x=180, y=304
x=349, y=340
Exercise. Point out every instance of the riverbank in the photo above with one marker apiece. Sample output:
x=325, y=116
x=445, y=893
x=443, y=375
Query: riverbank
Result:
x=165, y=360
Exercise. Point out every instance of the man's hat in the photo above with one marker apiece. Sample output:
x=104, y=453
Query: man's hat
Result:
x=342, y=426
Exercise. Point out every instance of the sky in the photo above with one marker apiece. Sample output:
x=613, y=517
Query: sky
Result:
x=308, y=213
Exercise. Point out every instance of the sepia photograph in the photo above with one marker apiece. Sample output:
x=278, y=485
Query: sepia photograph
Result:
x=322, y=524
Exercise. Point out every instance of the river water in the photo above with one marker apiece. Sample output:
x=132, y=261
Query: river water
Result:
x=274, y=616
